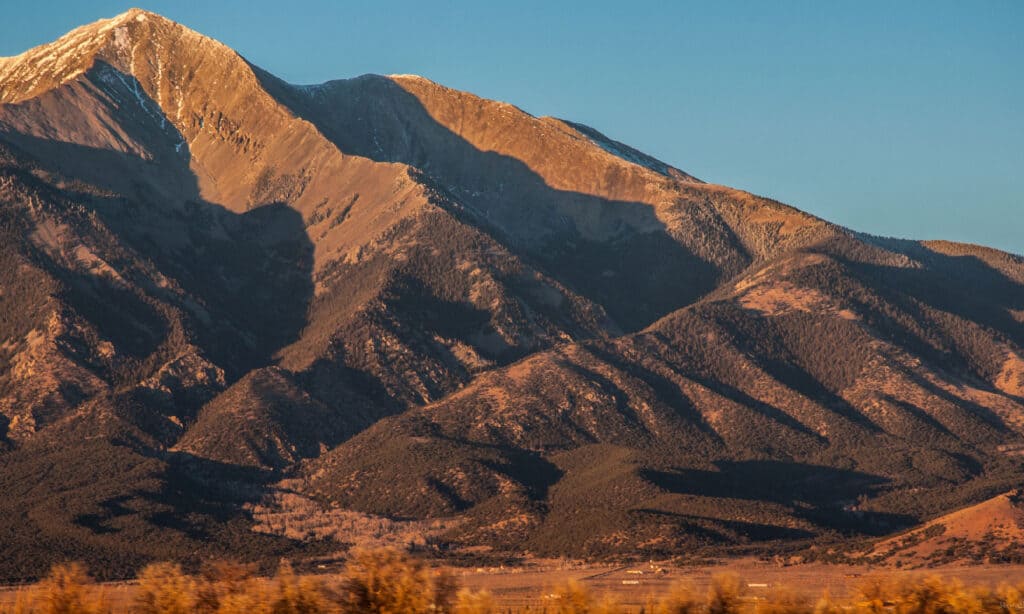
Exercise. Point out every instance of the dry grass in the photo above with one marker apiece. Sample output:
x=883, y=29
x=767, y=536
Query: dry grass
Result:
x=681, y=598
x=474, y=602
x=164, y=589
x=68, y=589
x=391, y=582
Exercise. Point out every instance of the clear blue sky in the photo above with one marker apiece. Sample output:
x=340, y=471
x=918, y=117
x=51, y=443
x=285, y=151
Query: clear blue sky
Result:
x=897, y=118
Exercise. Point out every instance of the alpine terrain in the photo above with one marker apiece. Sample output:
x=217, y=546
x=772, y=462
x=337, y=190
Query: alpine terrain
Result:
x=244, y=318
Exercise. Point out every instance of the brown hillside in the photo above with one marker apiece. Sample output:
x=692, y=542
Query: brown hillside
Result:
x=989, y=532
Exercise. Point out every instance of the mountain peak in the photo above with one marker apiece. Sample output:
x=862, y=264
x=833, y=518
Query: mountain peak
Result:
x=113, y=40
x=138, y=15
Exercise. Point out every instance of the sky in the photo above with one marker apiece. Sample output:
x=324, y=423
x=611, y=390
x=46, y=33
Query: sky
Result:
x=900, y=118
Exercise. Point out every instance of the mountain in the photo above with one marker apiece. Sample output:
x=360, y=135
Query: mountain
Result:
x=225, y=298
x=989, y=532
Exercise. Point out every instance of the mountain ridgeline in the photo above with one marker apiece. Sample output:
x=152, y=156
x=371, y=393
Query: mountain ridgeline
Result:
x=244, y=318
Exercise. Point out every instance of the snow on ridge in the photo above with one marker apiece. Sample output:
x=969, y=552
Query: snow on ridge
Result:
x=311, y=90
x=630, y=156
x=56, y=62
x=620, y=150
x=120, y=84
x=53, y=64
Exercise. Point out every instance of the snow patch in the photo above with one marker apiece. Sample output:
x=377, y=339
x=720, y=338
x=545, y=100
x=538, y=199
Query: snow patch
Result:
x=136, y=91
x=629, y=155
x=410, y=78
x=311, y=90
x=121, y=39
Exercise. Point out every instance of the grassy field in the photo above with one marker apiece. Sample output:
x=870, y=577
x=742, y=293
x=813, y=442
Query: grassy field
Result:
x=525, y=587
x=544, y=586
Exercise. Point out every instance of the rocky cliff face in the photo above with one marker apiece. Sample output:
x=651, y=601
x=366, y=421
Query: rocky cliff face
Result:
x=417, y=303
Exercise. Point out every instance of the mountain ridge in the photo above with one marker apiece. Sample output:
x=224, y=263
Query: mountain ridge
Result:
x=386, y=298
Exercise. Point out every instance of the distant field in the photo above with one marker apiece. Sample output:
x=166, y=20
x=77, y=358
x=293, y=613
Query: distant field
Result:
x=521, y=588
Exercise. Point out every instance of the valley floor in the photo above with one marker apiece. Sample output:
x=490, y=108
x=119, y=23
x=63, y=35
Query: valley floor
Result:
x=530, y=587
x=526, y=587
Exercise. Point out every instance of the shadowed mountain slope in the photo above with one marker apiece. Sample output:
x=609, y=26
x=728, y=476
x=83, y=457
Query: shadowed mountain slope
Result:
x=381, y=296
x=799, y=367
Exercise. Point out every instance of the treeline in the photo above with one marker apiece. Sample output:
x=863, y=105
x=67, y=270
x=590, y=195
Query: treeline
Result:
x=391, y=582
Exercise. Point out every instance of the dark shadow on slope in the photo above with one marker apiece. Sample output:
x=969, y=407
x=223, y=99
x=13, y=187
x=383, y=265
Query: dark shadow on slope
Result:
x=759, y=339
x=117, y=508
x=620, y=396
x=200, y=500
x=823, y=495
x=526, y=467
x=457, y=503
x=266, y=421
x=774, y=481
x=920, y=416
x=529, y=469
x=111, y=508
x=247, y=278
x=427, y=472
x=936, y=310
x=241, y=281
x=704, y=527
x=637, y=276
x=962, y=285
x=673, y=397
x=989, y=420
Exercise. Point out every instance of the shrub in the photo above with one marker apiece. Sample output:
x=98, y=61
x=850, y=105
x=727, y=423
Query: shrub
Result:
x=1010, y=598
x=444, y=590
x=571, y=598
x=783, y=600
x=252, y=599
x=574, y=598
x=724, y=594
x=385, y=582
x=607, y=605
x=933, y=595
x=25, y=602
x=69, y=589
x=826, y=605
x=164, y=589
x=874, y=595
x=296, y=595
x=391, y=582
x=222, y=584
x=681, y=599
